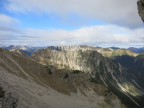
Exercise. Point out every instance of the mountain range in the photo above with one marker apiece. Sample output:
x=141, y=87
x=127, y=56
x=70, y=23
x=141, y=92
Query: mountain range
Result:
x=71, y=77
x=30, y=50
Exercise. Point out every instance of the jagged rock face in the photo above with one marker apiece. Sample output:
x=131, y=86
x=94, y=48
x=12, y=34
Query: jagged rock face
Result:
x=74, y=53
x=140, y=4
x=88, y=60
x=75, y=58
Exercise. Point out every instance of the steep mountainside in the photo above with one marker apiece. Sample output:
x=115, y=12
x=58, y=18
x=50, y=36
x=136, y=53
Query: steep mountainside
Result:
x=134, y=67
x=27, y=84
x=101, y=69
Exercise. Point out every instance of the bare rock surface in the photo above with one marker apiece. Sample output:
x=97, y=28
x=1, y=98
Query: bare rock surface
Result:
x=140, y=4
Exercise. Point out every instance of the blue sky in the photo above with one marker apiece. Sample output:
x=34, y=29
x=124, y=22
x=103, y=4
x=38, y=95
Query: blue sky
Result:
x=70, y=22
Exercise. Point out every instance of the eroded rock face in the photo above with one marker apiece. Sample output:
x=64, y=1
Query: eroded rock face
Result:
x=140, y=4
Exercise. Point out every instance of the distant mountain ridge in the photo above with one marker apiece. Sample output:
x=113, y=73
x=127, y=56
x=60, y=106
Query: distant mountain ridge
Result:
x=107, y=52
x=22, y=50
x=137, y=50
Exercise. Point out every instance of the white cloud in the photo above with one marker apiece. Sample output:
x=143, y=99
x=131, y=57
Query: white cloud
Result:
x=110, y=35
x=8, y=29
x=122, y=12
x=7, y=20
x=100, y=35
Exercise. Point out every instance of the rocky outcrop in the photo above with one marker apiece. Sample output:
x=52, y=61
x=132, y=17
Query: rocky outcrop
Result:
x=140, y=4
x=7, y=99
